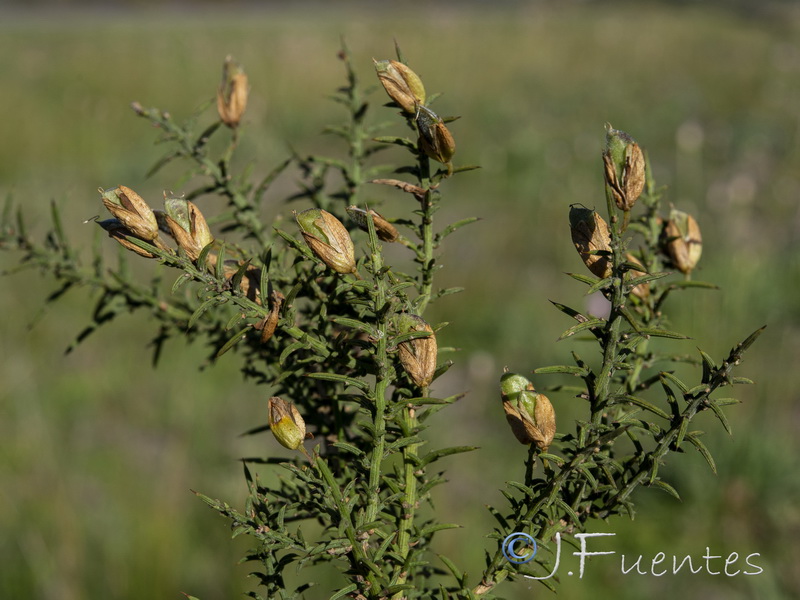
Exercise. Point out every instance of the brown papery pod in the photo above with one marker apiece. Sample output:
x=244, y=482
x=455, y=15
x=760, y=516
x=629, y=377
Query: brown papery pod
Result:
x=232, y=93
x=418, y=355
x=383, y=229
x=328, y=239
x=270, y=322
x=401, y=84
x=624, y=165
x=590, y=234
x=530, y=414
x=132, y=211
x=684, y=243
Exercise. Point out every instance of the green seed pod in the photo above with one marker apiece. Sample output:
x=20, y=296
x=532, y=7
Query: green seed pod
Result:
x=529, y=413
x=286, y=424
x=434, y=138
x=590, y=234
x=328, y=239
x=401, y=83
x=187, y=225
x=418, y=355
x=624, y=165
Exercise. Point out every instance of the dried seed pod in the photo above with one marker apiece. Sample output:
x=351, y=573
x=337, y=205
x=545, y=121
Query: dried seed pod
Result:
x=434, y=138
x=590, y=234
x=116, y=230
x=270, y=322
x=642, y=290
x=286, y=424
x=401, y=83
x=328, y=239
x=132, y=211
x=249, y=283
x=187, y=225
x=384, y=230
x=529, y=413
x=417, y=355
x=682, y=240
x=624, y=164
x=232, y=93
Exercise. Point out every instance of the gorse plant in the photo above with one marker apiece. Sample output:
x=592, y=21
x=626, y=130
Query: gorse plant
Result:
x=338, y=338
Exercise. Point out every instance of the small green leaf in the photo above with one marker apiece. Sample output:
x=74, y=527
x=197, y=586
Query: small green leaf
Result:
x=411, y=335
x=398, y=141
x=457, y=225
x=653, y=332
x=200, y=310
x=681, y=432
x=263, y=186
x=570, y=312
x=161, y=163
x=431, y=529
x=521, y=487
x=587, y=279
x=437, y=454
x=587, y=473
x=238, y=337
x=590, y=324
x=448, y=292
x=568, y=509
x=201, y=259
x=552, y=457
x=464, y=168
x=354, y=324
x=709, y=366
x=726, y=401
x=698, y=390
x=220, y=270
x=647, y=406
x=562, y=369
x=663, y=485
x=180, y=282
x=344, y=591
x=681, y=386
x=600, y=285
x=294, y=346
x=294, y=243
x=337, y=378
x=721, y=416
x=693, y=438
x=694, y=284
x=235, y=318
x=645, y=279
x=451, y=566
x=236, y=280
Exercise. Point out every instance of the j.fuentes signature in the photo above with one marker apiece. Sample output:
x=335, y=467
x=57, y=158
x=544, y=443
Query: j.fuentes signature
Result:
x=661, y=564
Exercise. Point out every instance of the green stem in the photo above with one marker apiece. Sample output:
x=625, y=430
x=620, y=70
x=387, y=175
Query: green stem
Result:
x=612, y=330
x=425, y=253
x=383, y=378
x=409, y=504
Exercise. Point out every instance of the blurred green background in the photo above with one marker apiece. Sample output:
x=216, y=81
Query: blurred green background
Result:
x=99, y=452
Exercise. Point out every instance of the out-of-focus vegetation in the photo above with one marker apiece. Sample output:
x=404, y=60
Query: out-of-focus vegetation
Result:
x=100, y=451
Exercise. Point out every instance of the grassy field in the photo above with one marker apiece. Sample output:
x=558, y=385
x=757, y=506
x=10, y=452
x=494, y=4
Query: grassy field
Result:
x=99, y=451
